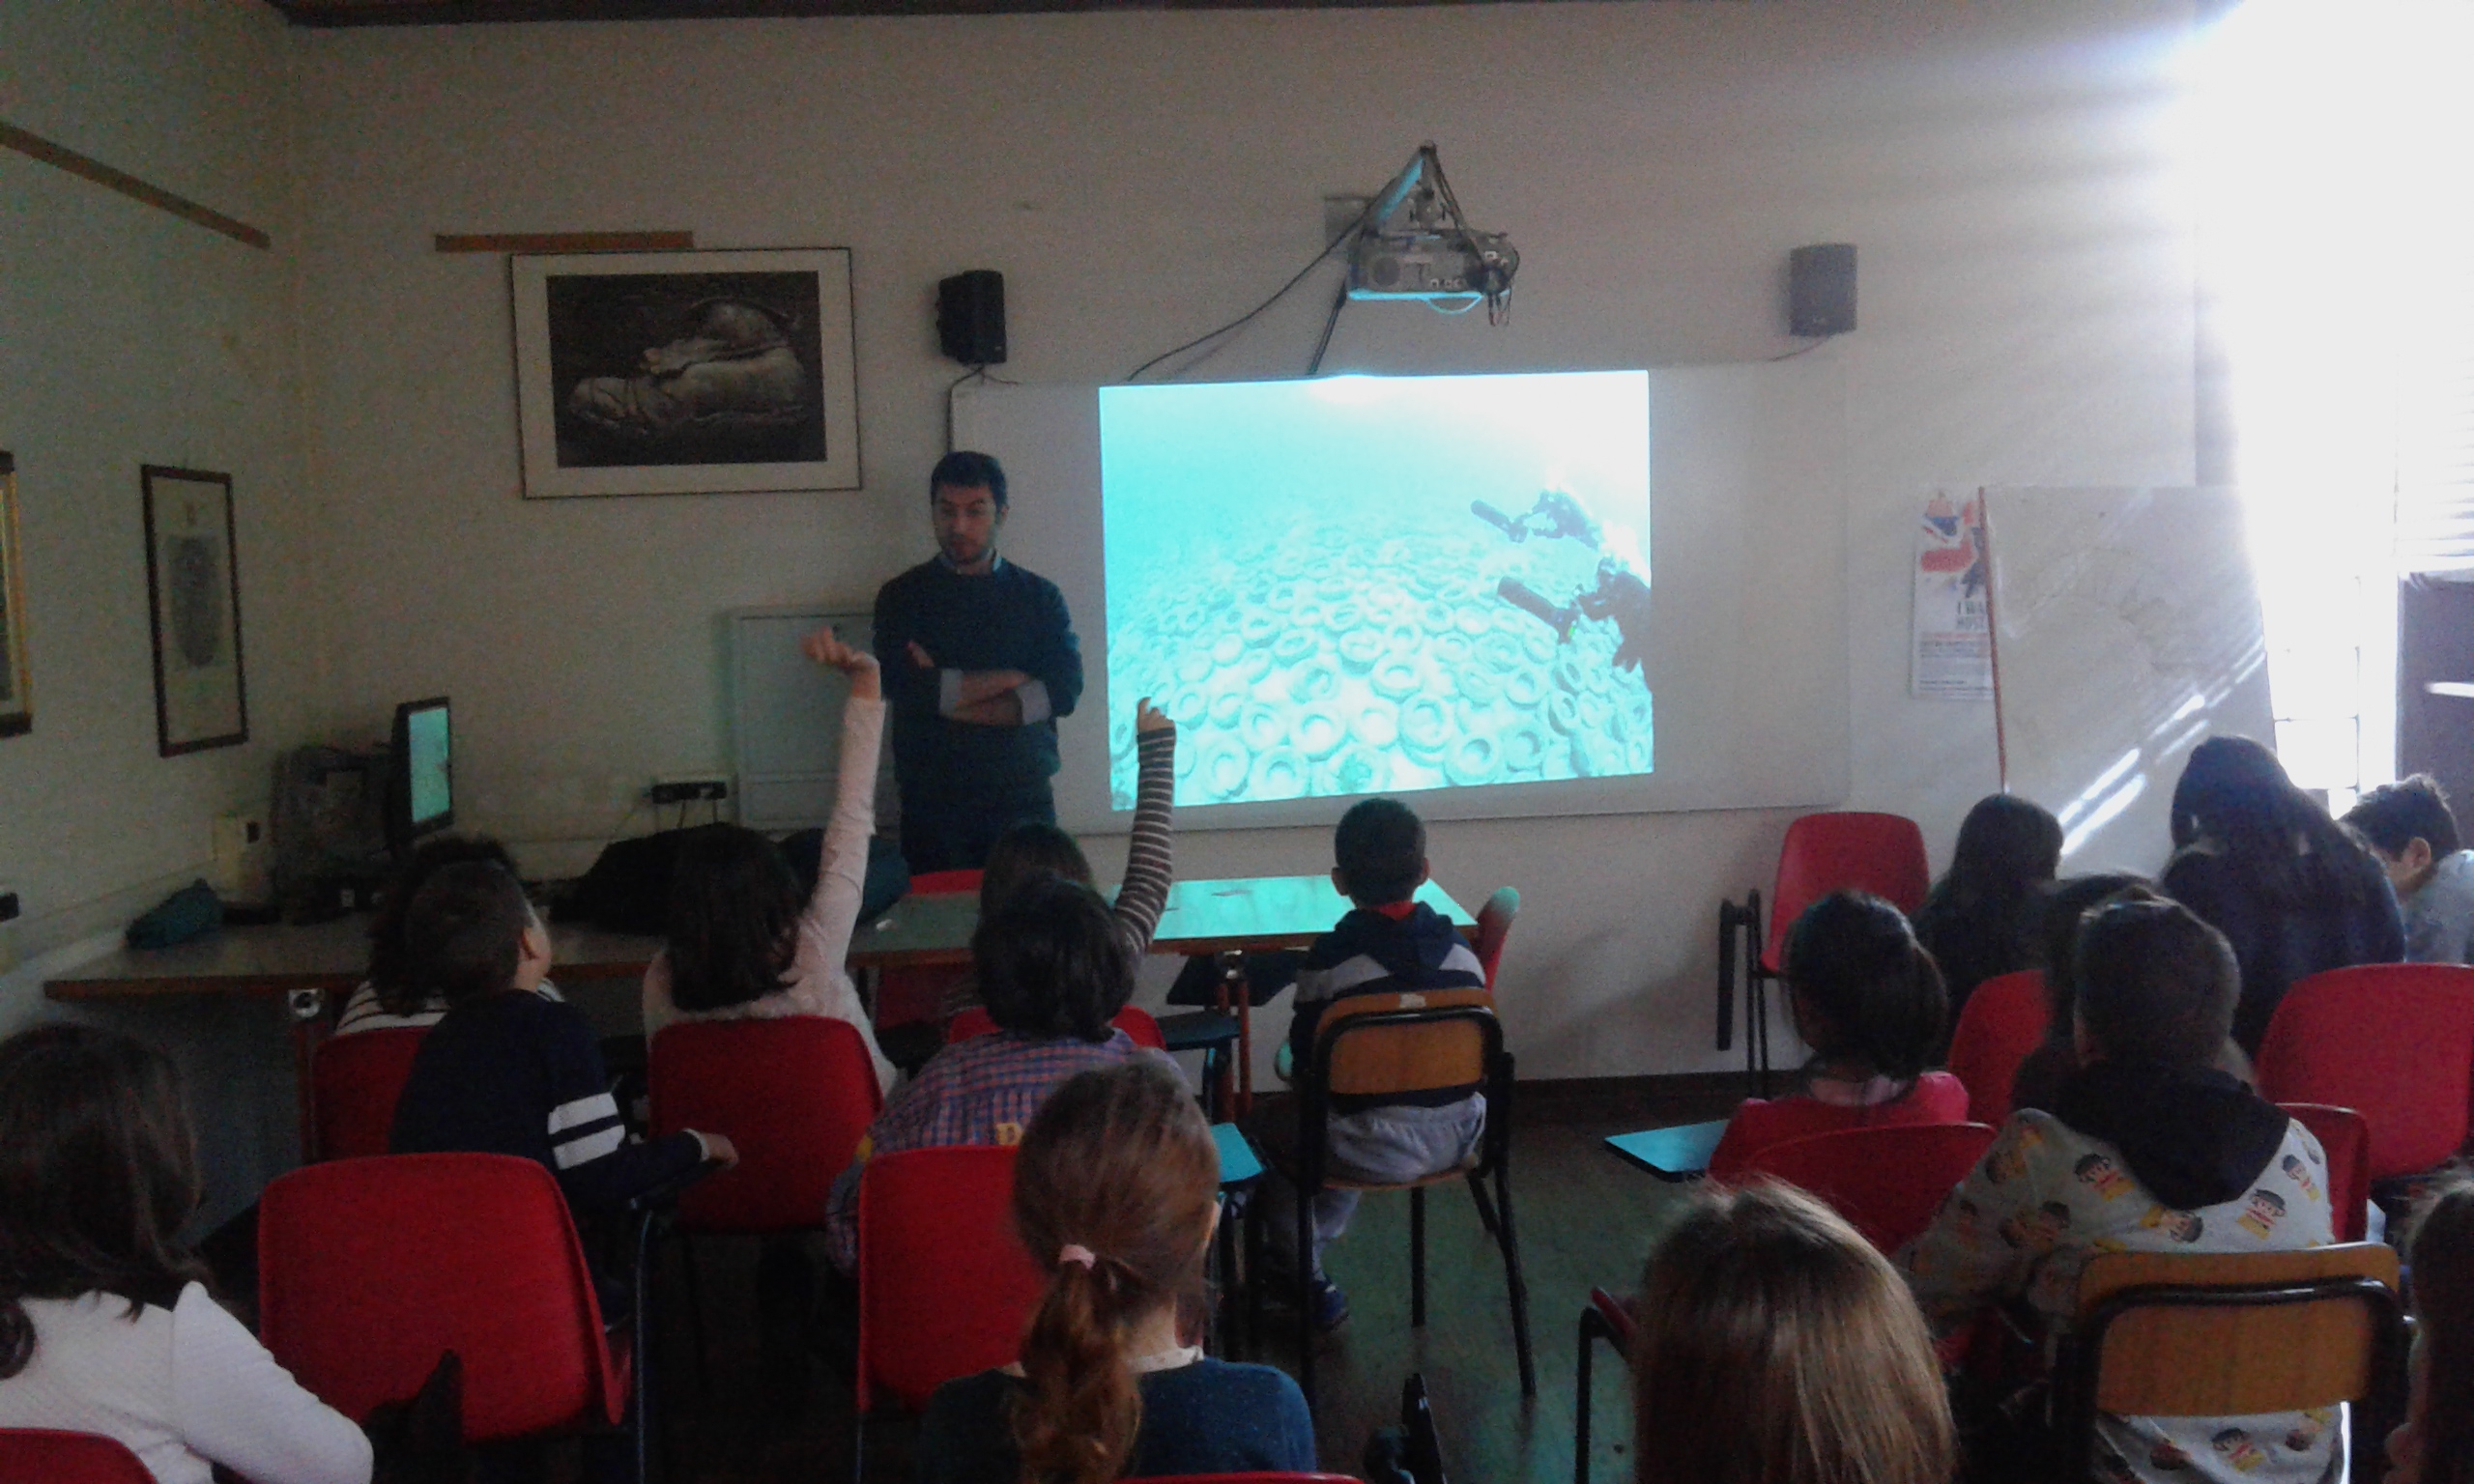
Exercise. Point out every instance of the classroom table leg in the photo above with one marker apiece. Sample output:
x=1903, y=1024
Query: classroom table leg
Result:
x=308, y=1028
x=1233, y=985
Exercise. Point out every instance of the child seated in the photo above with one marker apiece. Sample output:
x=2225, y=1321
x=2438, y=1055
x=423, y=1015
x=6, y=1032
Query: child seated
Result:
x=106, y=1323
x=509, y=1073
x=2410, y=828
x=1984, y=915
x=742, y=945
x=394, y=998
x=1389, y=943
x=1055, y=971
x=1115, y=1194
x=1867, y=998
x=2435, y=1442
x=2148, y=1148
x=1776, y=1347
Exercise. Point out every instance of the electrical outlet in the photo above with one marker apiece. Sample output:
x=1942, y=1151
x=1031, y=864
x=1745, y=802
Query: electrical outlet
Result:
x=689, y=788
x=10, y=908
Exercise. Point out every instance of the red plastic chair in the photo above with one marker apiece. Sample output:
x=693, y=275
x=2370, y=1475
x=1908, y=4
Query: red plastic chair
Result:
x=944, y=1285
x=2393, y=1042
x=369, y=1270
x=354, y=1082
x=1137, y=1024
x=2003, y=1021
x=946, y=883
x=32, y=1455
x=1494, y=925
x=2345, y=1139
x=908, y=993
x=1888, y=1182
x=1882, y=854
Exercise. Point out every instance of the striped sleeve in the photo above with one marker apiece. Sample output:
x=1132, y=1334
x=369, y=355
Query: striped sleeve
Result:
x=597, y=1166
x=1149, y=863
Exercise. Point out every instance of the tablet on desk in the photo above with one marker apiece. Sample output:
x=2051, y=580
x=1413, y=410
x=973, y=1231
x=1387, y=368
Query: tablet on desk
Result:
x=1677, y=1153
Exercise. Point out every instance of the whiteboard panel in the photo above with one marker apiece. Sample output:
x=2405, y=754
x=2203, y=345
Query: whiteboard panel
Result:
x=2125, y=631
x=785, y=714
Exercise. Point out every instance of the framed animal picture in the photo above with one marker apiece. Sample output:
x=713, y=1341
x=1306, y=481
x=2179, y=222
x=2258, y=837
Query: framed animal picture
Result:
x=16, y=693
x=194, y=590
x=685, y=373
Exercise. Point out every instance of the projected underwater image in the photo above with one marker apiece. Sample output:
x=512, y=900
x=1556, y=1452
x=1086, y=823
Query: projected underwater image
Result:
x=1380, y=585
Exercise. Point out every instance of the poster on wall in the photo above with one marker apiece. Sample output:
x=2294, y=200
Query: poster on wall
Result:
x=685, y=373
x=16, y=693
x=1951, y=657
x=194, y=590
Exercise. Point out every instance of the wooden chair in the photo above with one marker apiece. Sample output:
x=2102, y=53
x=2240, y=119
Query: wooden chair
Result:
x=1383, y=1045
x=2174, y=1334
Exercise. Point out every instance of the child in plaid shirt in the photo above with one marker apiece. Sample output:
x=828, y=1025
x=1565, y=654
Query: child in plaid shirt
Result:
x=1055, y=971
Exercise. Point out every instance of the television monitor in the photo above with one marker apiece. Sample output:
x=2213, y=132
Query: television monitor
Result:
x=420, y=791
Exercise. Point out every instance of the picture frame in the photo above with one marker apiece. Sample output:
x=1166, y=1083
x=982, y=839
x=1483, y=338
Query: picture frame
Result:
x=194, y=603
x=731, y=371
x=16, y=678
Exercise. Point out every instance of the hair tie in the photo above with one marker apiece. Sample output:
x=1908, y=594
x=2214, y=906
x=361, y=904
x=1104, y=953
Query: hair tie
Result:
x=1075, y=1252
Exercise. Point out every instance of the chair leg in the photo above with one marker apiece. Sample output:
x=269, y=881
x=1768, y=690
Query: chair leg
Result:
x=1518, y=1286
x=641, y=1378
x=1305, y=1266
x=1417, y=1257
x=858, y=1446
x=1581, y=1400
x=696, y=1316
x=1486, y=1207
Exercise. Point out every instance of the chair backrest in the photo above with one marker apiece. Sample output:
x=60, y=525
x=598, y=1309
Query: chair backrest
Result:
x=946, y=883
x=33, y=1455
x=1380, y=1045
x=369, y=1270
x=2345, y=1139
x=2393, y=1042
x=944, y=1285
x=796, y=1095
x=1847, y=850
x=1494, y=925
x=2175, y=1334
x=2002, y=1021
x=1140, y=1026
x=354, y=1082
x=1887, y=1181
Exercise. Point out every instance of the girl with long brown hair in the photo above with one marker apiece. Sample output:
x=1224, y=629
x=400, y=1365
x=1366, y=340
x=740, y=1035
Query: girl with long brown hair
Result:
x=1776, y=1347
x=1115, y=1194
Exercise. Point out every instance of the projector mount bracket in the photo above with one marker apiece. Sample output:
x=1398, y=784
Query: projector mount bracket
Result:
x=1413, y=244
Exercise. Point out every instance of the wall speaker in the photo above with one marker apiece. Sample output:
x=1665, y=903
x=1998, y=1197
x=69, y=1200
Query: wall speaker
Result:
x=1821, y=289
x=970, y=317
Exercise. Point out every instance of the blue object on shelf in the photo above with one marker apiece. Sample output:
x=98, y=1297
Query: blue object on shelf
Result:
x=191, y=912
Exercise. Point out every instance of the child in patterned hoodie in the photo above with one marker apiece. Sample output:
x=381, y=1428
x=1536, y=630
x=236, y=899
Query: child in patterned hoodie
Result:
x=2148, y=1148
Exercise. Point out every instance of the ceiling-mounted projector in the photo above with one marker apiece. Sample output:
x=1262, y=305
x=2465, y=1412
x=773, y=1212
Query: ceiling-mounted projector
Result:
x=1412, y=242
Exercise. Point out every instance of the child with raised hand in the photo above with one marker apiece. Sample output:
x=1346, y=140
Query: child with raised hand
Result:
x=106, y=1323
x=1115, y=1194
x=1054, y=969
x=1867, y=998
x=1776, y=1347
x=743, y=945
x=2149, y=1146
x=2410, y=828
x=1984, y=916
x=393, y=996
x=2435, y=1442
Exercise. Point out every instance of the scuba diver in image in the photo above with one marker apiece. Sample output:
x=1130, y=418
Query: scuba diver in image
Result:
x=1620, y=595
x=1556, y=513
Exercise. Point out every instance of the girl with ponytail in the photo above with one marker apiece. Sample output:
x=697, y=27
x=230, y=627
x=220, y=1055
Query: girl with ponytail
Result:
x=1115, y=1194
x=1868, y=999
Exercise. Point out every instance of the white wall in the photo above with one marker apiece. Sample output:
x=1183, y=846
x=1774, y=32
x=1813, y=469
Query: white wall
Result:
x=2026, y=312
x=128, y=336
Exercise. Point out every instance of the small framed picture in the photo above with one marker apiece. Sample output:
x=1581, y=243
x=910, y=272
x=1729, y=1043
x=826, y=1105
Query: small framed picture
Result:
x=194, y=587
x=685, y=373
x=16, y=693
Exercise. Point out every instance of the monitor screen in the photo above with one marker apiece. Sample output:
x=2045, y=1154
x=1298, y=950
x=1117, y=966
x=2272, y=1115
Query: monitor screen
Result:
x=423, y=733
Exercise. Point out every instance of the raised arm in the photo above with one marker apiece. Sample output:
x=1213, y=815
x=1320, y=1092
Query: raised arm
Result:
x=841, y=880
x=1149, y=863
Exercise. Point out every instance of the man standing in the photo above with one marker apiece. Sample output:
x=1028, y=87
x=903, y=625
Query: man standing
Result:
x=979, y=661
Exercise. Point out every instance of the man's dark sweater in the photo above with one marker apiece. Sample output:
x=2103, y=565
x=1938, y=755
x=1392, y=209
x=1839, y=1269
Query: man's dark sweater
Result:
x=1008, y=619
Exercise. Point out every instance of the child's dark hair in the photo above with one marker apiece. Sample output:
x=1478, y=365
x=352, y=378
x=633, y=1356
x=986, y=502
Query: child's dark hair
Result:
x=1029, y=851
x=1119, y=1163
x=465, y=930
x=97, y=1171
x=2007, y=847
x=1381, y=850
x=2154, y=983
x=1877, y=994
x=1052, y=963
x=734, y=918
x=2440, y=1256
x=2234, y=792
x=2393, y=815
x=2069, y=902
x=400, y=991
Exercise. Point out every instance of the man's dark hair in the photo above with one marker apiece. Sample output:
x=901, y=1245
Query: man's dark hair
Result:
x=1052, y=962
x=400, y=991
x=1381, y=850
x=2155, y=984
x=2393, y=815
x=464, y=932
x=965, y=470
